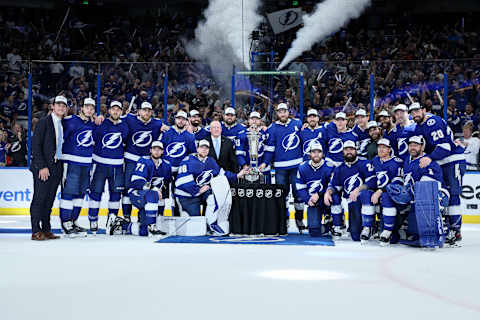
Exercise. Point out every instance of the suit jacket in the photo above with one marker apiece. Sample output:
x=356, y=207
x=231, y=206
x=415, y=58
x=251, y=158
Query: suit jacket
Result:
x=44, y=144
x=227, y=159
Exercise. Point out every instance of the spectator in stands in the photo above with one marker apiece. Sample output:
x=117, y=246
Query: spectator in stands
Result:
x=471, y=145
x=18, y=148
x=3, y=148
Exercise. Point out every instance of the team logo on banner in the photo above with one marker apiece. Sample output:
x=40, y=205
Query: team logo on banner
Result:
x=259, y=193
x=176, y=149
x=335, y=145
x=142, y=138
x=278, y=193
x=291, y=141
x=233, y=191
x=85, y=139
x=249, y=193
x=268, y=193
x=112, y=140
x=241, y=193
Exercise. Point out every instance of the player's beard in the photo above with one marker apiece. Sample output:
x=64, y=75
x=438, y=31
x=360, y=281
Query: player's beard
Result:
x=195, y=123
x=312, y=124
x=230, y=122
x=414, y=154
x=386, y=125
x=350, y=158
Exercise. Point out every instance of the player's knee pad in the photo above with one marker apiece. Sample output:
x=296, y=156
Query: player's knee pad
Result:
x=95, y=196
x=298, y=206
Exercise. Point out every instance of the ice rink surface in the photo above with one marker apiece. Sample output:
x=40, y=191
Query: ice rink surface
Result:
x=125, y=277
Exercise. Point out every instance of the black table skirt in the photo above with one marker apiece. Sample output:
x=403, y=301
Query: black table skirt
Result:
x=258, y=209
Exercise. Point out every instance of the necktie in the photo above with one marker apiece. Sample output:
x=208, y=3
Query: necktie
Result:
x=217, y=147
x=58, y=154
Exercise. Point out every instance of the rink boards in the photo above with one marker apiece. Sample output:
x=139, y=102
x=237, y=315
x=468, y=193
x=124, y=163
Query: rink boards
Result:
x=16, y=191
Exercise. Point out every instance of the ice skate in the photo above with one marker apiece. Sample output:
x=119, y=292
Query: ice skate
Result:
x=110, y=223
x=153, y=231
x=80, y=231
x=337, y=232
x=385, y=237
x=94, y=227
x=365, y=235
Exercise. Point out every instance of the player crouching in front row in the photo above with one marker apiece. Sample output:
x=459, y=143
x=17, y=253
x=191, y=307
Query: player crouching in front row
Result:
x=313, y=177
x=192, y=186
x=354, y=179
x=147, y=193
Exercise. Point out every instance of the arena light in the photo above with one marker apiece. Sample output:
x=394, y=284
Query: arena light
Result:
x=302, y=275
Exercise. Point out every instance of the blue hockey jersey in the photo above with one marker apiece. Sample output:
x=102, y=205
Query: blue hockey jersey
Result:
x=242, y=152
x=147, y=175
x=178, y=145
x=140, y=137
x=283, y=145
x=200, y=134
x=413, y=173
x=308, y=136
x=78, y=141
x=390, y=171
x=194, y=173
x=234, y=131
x=440, y=143
x=333, y=140
x=109, y=142
x=311, y=180
x=348, y=177
x=402, y=136
x=363, y=140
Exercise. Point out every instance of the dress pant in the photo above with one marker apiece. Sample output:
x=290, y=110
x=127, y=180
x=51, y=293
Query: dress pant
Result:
x=44, y=193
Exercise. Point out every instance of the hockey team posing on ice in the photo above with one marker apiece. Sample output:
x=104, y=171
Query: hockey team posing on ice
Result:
x=370, y=170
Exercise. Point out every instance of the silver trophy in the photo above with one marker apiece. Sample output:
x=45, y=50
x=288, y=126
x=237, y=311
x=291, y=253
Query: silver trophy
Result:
x=254, y=175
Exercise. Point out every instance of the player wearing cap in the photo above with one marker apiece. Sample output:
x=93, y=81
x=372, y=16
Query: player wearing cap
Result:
x=375, y=134
x=143, y=130
x=336, y=133
x=108, y=163
x=77, y=153
x=179, y=143
x=361, y=130
x=414, y=172
x=147, y=192
x=354, y=179
x=243, y=156
x=196, y=128
x=389, y=129
x=440, y=147
x=388, y=170
x=192, y=186
x=312, y=133
x=312, y=181
x=405, y=128
x=231, y=128
x=284, y=149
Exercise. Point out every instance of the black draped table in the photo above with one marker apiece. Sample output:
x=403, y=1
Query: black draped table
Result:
x=258, y=209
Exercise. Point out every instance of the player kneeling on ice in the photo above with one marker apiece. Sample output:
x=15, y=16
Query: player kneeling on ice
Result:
x=312, y=180
x=426, y=192
x=388, y=171
x=354, y=179
x=192, y=186
x=147, y=194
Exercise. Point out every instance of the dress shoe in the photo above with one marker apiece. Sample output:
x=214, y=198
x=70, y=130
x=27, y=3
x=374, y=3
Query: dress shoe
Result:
x=39, y=236
x=50, y=236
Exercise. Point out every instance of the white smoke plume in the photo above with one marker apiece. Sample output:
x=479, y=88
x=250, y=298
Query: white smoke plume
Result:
x=222, y=38
x=328, y=17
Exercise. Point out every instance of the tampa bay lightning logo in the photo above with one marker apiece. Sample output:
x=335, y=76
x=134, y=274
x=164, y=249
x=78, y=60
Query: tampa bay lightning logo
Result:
x=352, y=182
x=157, y=182
x=22, y=106
x=402, y=146
x=204, y=178
x=306, y=145
x=291, y=141
x=335, y=145
x=112, y=140
x=142, y=138
x=382, y=179
x=85, y=139
x=16, y=146
x=409, y=182
x=363, y=144
x=176, y=149
x=314, y=186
